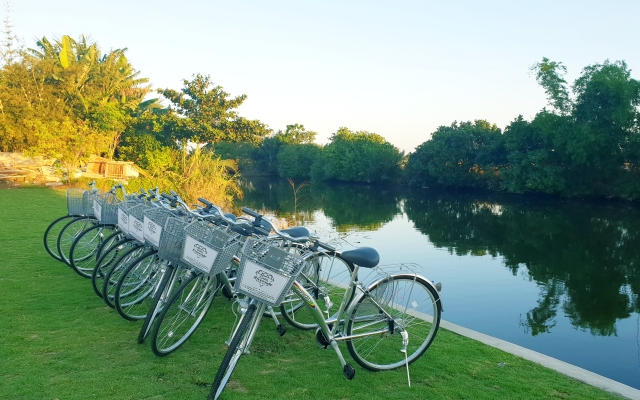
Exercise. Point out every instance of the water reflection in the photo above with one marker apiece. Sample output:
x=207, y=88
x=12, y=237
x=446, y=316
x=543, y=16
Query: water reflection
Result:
x=349, y=207
x=583, y=256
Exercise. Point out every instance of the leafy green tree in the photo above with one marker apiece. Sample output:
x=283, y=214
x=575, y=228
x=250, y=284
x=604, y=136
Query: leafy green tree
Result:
x=358, y=157
x=206, y=114
x=296, y=134
x=549, y=75
x=295, y=160
x=535, y=163
x=461, y=155
x=67, y=100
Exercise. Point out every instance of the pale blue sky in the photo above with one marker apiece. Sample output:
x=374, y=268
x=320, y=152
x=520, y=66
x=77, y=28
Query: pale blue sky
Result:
x=396, y=68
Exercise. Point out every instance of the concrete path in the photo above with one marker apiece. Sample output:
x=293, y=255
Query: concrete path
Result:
x=578, y=373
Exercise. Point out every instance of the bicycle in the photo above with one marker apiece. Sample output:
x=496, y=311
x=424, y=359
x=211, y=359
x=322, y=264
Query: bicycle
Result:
x=77, y=206
x=386, y=324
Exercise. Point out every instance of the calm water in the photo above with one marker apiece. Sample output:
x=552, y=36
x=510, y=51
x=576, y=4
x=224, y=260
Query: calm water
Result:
x=558, y=277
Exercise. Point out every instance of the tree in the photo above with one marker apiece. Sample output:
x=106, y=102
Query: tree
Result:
x=358, y=157
x=536, y=163
x=65, y=99
x=296, y=134
x=549, y=75
x=461, y=155
x=206, y=114
x=295, y=160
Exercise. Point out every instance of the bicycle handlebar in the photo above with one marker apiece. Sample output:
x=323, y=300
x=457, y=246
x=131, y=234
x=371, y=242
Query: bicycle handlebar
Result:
x=260, y=218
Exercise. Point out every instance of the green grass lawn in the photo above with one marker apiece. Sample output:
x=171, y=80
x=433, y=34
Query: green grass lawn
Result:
x=58, y=340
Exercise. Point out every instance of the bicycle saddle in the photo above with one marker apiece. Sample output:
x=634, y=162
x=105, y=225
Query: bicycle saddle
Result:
x=363, y=256
x=296, y=231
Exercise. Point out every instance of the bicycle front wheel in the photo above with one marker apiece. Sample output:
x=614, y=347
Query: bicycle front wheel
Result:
x=70, y=233
x=52, y=233
x=84, y=250
x=326, y=279
x=108, y=260
x=134, y=292
x=235, y=350
x=397, y=306
x=183, y=313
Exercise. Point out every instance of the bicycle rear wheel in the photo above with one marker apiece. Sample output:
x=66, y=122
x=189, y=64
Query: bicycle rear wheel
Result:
x=235, y=350
x=108, y=260
x=70, y=232
x=327, y=279
x=134, y=292
x=115, y=273
x=183, y=313
x=396, y=304
x=52, y=233
x=84, y=250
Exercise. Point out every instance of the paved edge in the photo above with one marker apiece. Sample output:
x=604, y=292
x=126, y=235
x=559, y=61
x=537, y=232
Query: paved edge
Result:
x=570, y=370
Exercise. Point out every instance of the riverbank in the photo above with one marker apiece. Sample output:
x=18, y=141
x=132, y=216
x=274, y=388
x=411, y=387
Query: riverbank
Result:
x=59, y=340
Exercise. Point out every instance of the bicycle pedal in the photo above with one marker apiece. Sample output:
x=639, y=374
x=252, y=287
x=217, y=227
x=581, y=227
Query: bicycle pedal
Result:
x=281, y=329
x=348, y=371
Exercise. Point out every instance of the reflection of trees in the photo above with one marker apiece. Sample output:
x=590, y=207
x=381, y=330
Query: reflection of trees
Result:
x=357, y=207
x=350, y=207
x=582, y=255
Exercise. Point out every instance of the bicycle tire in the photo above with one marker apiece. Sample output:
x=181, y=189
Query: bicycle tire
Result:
x=326, y=279
x=183, y=313
x=133, y=295
x=173, y=274
x=84, y=250
x=109, y=241
x=415, y=307
x=51, y=235
x=232, y=356
x=108, y=260
x=115, y=273
x=70, y=232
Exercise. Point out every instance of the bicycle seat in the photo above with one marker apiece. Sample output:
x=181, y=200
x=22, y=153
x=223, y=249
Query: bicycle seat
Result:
x=363, y=256
x=296, y=231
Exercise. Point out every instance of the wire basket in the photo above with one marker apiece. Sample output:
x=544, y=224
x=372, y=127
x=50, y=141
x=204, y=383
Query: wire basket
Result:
x=87, y=202
x=209, y=248
x=123, y=214
x=266, y=272
x=74, y=201
x=154, y=221
x=171, y=240
x=135, y=225
x=105, y=208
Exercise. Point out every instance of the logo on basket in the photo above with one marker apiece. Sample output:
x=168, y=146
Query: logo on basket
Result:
x=200, y=250
x=264, y=278
x=123, y=218
x=152, y=227
x=137, y=225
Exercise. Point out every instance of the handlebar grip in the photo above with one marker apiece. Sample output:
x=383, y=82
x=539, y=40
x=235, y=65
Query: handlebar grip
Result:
x=169, y=197
x=249, y=211
x=325, y=246
x=205, y=202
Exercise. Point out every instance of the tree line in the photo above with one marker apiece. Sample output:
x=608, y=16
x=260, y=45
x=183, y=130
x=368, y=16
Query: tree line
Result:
x=67, y=99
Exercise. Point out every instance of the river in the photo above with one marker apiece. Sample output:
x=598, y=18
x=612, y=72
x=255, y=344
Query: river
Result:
x=561, y=277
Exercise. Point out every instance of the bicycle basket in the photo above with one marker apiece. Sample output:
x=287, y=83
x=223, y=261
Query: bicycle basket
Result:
x=154, y=220
x=75, y=206
x=267, y=272
x=135, y=222
x=123, y=214
x=87, y=202
x=171, y=240
x=105, y=208
x=209, y=248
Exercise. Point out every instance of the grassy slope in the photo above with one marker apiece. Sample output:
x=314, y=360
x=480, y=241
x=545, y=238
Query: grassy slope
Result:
x=59, y=341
